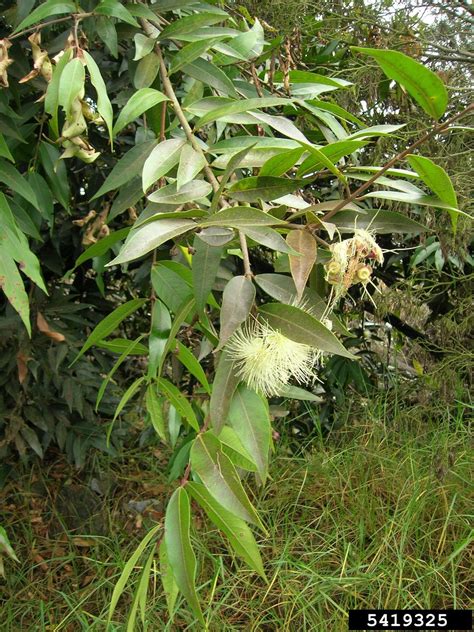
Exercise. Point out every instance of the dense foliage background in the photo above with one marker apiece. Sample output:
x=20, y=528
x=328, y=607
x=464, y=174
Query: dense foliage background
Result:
x=170, y=173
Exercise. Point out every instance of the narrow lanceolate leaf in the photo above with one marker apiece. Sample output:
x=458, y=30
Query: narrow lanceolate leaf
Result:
x=51, y=101
x=159, y=334
x=190, y=164
x=238, y=533
x=128, y=395
x=190, y=192
x=382, y=222
x=267, y=237
x=102, y=246
x=179, y=401
x=129, y=166
x=138, y=103
x=117, y=10
x=104, y=106
x=11, y=283
x=220, y=477
x=265, y=188
x=150, y=236
x=181, y=556
x=206, y=261
x=71, y=84
x=236, y=107
x=235, y=450
x=110, y=323
x=189, y=360
x=250, y=419
x=297, y=325
x=46, y=10
x=239, y=217
x=189, y=53
x=300, y=266
x=281, y=163
x=155, y=411
x=202, y=70
x=237, y=301
x=225, y=383
x=436, y=178
x=161, y=160
x=16, y=182
x=232, y=165
x=189, y=24
x=420, y=82
x=167, y=579
x=128, y=568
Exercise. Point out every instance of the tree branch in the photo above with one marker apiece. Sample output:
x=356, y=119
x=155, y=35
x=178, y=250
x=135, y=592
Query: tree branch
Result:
x=72, y=16
x=437, y=129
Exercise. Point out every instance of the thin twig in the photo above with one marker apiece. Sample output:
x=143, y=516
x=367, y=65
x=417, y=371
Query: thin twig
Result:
x=71, y=16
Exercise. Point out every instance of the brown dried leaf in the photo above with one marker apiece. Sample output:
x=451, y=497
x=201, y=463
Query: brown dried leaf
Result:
x=21, y=362
x=45, y=329
x=303, y=242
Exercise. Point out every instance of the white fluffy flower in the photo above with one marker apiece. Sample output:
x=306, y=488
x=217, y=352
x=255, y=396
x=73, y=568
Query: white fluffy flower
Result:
x=267, y=360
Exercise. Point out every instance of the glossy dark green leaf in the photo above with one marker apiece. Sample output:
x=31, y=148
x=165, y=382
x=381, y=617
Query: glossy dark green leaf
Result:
x=178, y=546
x=204, y=71
x=237, y=301
x=115, y=9
x=102, y=246
x=189, y=360
x=206, y=260
x=129, y=166
x=110, y=323
x=46, y=10
x=10, y=177
x=189, y=24
x=297, y=325
x=225, y=383
x=238, y=533
x=159, y=334
x=257, y=188
x=239, y=217
x=179, y=401
x=420, y=82
x=139, y=102
x=249, y=416
x=155, y=411
x=382, y=222
x=220, y=477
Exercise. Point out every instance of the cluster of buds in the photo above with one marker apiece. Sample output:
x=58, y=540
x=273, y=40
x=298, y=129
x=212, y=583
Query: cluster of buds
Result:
x=5, y=61
x=351, y=261
x=267, y=360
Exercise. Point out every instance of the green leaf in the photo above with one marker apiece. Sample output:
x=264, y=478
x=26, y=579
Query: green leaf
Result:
x=265, y=188
x=206, y=260
x=297, y=325
x=146, y=71
x=10, y=177
x=51, y=102
x=189, y=53
x=414, y=198
x=129, y=166
x=249, y=416
x=233, y=447
x=140, y=596
x=155, y=411
x=102, y=246
x=281, y=163
x=127, y=570
x=129, y=348
x=232, y=165
x=56, y=173
x=220, y=477
x=71, y=84
x=169, y=286
x=238, y=533
x=178, y=546
x=167, y=579
x=139, y=102
x=244, y=105
x=161, y=160
x=127, y=396
x=143, y=46
x=419, y=81
x=225, y=383
x=267, y=237
x=108, y=34
x=189, y=192
x=122, y=345
x=150, y=236
x=282, y=125
x=4, y=149
x=237, y=301
x=110, y=323
x=188, y=359
x=189, y=24
x=295, y=392
x=46, y=10
x=179, y=401
x=204, y=71
x=383, y=222
x=436, y=178
x=104, y=106
x=115, y=9
x=239, y=217
x=190, y=164
x=245, y=46
x=11, y=283
x=159, y=334
x=182, y=313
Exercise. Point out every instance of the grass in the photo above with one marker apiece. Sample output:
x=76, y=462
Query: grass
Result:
x=374, y=516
